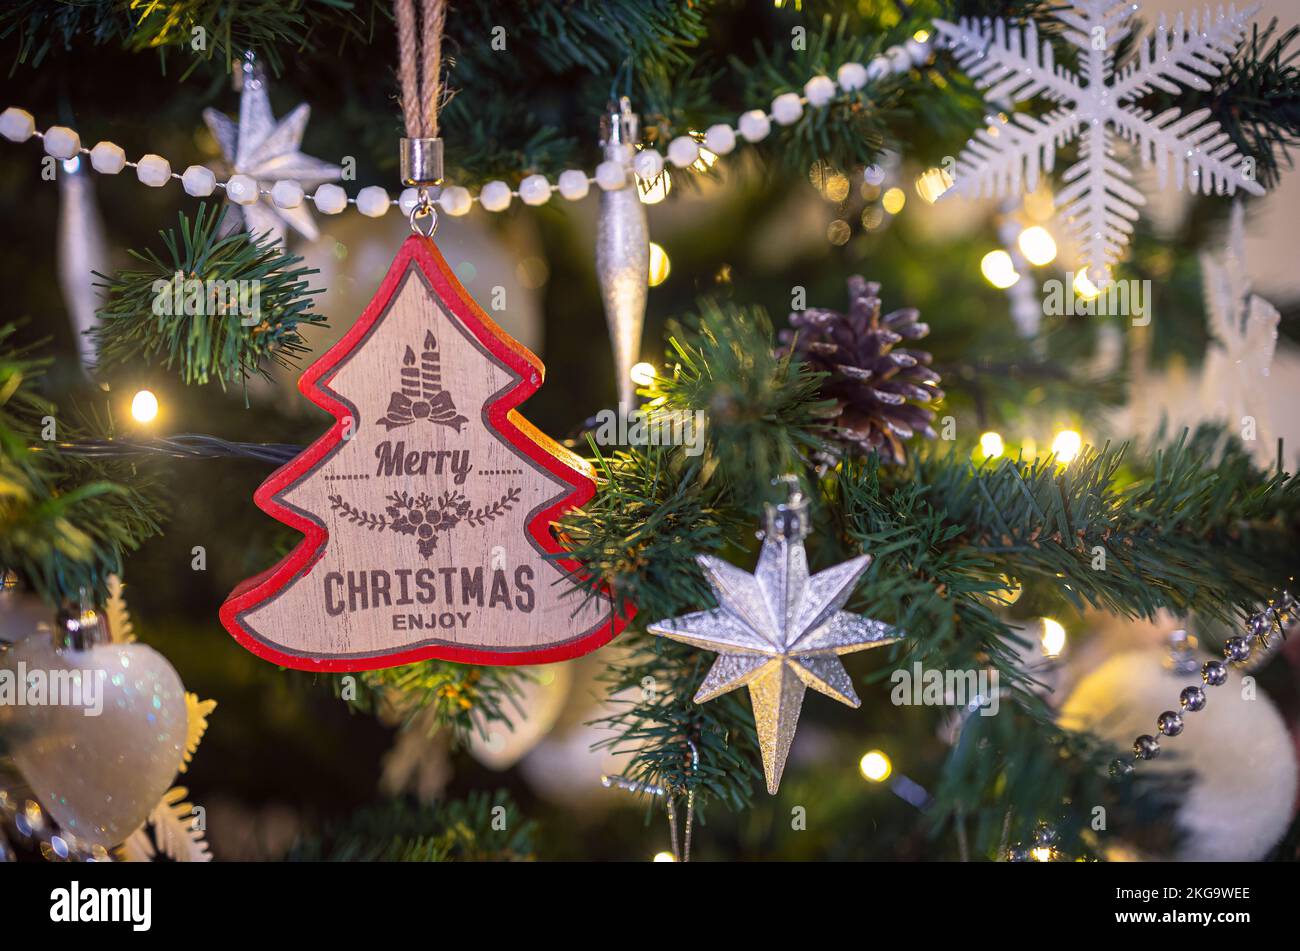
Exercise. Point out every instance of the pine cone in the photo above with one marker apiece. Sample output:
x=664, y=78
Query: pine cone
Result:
x=875, y=385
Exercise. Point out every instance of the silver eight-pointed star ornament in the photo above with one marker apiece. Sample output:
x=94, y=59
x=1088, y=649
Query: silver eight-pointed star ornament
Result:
x=779, y=631
x=267, y=151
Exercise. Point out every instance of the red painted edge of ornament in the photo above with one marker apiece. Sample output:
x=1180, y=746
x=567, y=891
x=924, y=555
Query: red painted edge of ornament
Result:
x=503, y=416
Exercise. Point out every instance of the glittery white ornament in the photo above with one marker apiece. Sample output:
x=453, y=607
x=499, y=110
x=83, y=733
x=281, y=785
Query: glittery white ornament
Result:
x=779, y=631
x=1097, y=106
x=101, y=775
x=1239, y=802
x=1243, y=326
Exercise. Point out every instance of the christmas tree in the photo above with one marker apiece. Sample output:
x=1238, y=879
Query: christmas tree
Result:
x=968, y=337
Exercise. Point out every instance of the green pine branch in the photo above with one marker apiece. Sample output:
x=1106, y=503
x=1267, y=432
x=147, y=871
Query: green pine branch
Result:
x=65, y=523
x=459, y=698
x=482, y=827
x=1191, y=525
x=211, y=306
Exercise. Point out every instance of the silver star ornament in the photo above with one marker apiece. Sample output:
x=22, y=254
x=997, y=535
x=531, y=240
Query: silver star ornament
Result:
x=779, y=631
x=267, y=151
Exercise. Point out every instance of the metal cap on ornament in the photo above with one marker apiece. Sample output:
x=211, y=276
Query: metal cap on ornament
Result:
x=788, y=520
x=80, y=628
x=619, y=129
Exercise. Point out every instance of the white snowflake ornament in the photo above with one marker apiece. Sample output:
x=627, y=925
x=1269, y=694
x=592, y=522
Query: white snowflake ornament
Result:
x=1098, y=106
x=1244, y=326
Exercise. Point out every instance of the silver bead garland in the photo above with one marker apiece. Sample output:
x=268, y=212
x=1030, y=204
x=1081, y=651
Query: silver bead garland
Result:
x=1239, y=650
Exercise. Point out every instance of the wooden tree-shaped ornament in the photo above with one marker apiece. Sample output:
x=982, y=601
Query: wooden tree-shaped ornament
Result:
x=427, y=508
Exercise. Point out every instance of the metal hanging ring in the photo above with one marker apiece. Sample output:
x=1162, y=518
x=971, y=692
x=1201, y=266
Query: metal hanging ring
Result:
x=424, y=210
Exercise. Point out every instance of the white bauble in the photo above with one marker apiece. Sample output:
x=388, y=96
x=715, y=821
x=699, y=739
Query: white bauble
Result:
x=1239, y=803
x=99, y=776
x=533, y=713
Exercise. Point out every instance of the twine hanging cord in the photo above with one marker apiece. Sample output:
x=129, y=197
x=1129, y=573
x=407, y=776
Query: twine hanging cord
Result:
x=419, y=66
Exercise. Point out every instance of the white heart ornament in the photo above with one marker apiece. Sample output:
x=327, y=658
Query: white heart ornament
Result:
x=104, y=739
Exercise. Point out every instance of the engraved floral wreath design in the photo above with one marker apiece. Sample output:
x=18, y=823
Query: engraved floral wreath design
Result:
x=425, y=516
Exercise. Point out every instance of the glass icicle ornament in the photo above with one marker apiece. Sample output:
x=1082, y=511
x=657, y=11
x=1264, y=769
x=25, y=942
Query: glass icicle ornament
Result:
x=622, y=250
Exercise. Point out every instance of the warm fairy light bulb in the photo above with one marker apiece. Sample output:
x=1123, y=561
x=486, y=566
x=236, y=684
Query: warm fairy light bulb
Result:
x=1084, y=287
x=664, y=857
x=893, y=200
x=1053, y=639
x=1042, y=854
x=875, y=766
x=1037, y=245
x=144, y=407
x=654, y=190
x=921, y=36
x=1066, y=445
x=991, y=445
x=998, y=269
x=660, y=266
x=932, y=183
x=643, y=374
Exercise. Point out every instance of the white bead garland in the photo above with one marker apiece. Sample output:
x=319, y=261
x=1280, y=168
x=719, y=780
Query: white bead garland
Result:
x=573, y=184
x=918, y=51
x=851, y=76
x=683, y=151
x=330, y=199
x=242, y=190
x=62, y=142
x=198, y=180
x=611, y=176
x=153, y=170
x=107, y=158
x=495, y=196
x=819, y=91
x=720, y=139
x=535, y=190
x=754, y=125
x=17, y=125
x=286, y=193
x=786, y=108
x=648, y=163
x=372, y=201
x=455, y=200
